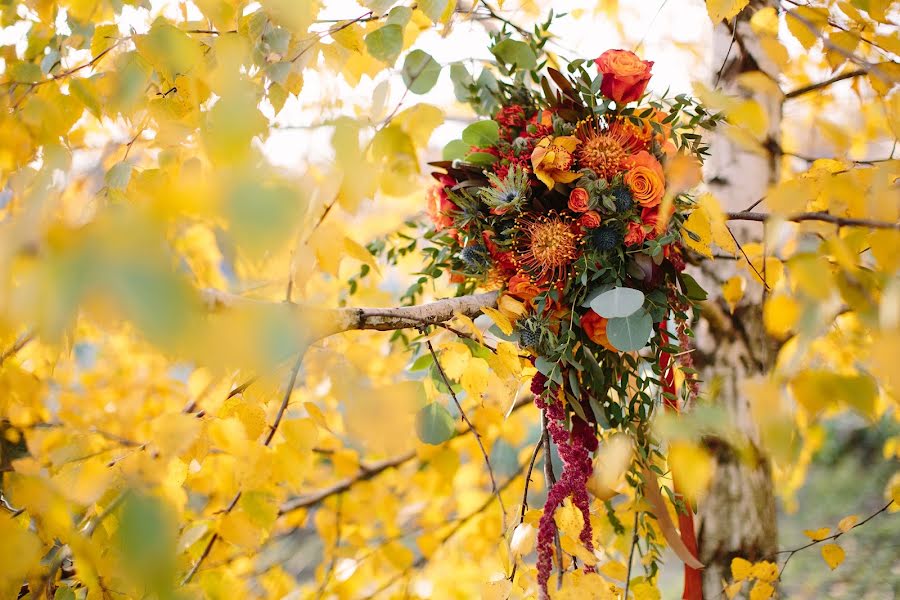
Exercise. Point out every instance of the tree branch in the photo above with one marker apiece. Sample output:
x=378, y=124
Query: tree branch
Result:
x=806, y=89
x=814, y=216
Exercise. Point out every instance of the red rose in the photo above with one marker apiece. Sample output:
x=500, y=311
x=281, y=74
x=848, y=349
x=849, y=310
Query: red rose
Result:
x=579, y=200
x=625, y=75
x=590, y=219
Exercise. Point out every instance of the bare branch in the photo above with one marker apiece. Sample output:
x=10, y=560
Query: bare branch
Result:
x=814, y=216
x=806, y=89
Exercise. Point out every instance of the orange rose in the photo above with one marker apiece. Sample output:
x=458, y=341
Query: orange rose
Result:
x=522, y=287
x=590, y=219
x=635, y=234
x=595, y=327
x=579, y=199
x=645, y=179
x=625, y=75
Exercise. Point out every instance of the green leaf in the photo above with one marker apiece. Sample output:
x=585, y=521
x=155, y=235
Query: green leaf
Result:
x=631, y=333
x=513, y=52
x=455, y=149
x=618, y=302
x=462, y=81
x=385, y=43
x=481, y=159
x=433, y=9
x=420, y=71
x=119, y=176
x=481, y=133
x=692, y=289
x=25, y=72
x=434, y=425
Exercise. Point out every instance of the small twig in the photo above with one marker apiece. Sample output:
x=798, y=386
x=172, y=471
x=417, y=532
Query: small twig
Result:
x=22, y=341
x=791, y=553
x=337, y=542
x=292, y=381
x=423, y=559
x=747, y=258
x=634, y=541
x=13, y=511
x=475, y=433
x=534, y=455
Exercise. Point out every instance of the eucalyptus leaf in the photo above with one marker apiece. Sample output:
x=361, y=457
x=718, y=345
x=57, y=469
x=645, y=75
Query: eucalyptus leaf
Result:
x=434, y=425
x=631, y=333
x=618, y=302
x=420, y=72
x=481, y=133
x=603, y=287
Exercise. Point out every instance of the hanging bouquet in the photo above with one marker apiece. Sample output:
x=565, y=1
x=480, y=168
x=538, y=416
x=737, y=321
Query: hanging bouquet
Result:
x=570, y=201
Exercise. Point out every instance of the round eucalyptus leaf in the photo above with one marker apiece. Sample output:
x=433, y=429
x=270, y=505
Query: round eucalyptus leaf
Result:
x=631, y=333
x=434, y=425
x=618, y=302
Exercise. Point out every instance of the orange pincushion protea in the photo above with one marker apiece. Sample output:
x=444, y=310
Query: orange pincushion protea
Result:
x=605, y=151
x=549, y=244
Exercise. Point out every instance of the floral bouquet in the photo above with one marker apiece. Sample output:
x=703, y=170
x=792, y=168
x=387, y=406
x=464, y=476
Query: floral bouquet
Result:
x=570, y=201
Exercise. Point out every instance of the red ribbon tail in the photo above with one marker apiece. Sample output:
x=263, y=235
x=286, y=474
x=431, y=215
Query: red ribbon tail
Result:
x=693, y=578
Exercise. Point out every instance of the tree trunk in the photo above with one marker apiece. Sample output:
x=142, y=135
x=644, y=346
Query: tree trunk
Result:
x=737, y=516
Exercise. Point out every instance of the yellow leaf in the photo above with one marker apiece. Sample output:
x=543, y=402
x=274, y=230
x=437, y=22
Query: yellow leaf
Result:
x=765, y=571
x=733, y=291
x=833, y=555
x=740, y=568
x=645, y=591
x=499, y=319
x=692, y=465
x=761, y=591
x=817, y=534
x=780, y=315
x=496, y=590
x=765, y=21
x=698, y=233
x=733, y=589
x=20, y=553
x=614, y=570
x=470, y=327
x=474, y=379
x=724, y=9
x=611, y=461
x=569, y=519
x=316, y=415
x=454, y=358
x=360, y=253
x=847, y=523
x=751, y=116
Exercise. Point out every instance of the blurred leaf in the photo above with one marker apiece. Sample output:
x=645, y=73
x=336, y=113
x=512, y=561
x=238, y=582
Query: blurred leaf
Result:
x=434, y=424
x=420, y=71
